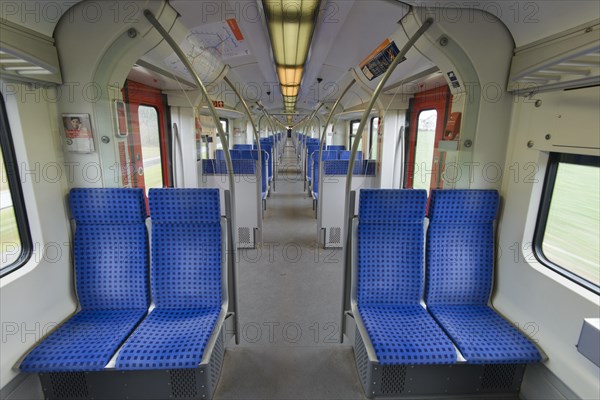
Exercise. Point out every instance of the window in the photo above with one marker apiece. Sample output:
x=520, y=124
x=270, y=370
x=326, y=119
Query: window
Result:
x=426, y=125
x=354, y=124
x=568, y=228
x=150, y=144
x=373, y=142
x=15, y=240
x=225, y=125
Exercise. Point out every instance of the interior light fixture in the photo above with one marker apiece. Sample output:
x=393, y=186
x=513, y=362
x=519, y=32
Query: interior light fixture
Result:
x=291, y=24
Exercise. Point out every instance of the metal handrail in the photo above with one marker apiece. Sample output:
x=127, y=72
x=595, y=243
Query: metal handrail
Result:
x=347, y=229
x=186, y=62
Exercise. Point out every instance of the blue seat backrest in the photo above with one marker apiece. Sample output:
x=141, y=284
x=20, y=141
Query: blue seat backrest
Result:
x=345, y=155
x=234, y=154
x=391, y=246
x=253, y=155
x=330, y=155
x=110, y=248
x=242, y=147
x=336, y=147
x=240, y=167
x=310, y=151
x=208, y=167
x=315, y=172
x=186, y=248
x=247, y=154
x=460, y=246
x=369, y=167
x=340, y=167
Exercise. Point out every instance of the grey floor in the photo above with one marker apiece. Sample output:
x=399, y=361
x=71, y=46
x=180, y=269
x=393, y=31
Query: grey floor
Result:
x=290, y=308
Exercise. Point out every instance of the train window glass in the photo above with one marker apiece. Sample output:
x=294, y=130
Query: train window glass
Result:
x=374, y=137
x=353, y=132
x=150, y=141
x=15, y=240
x=225, y=125
x=568, y=230
x=426, y=125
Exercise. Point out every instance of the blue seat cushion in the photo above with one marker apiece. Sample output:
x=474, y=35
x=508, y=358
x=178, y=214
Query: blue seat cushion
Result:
x=169, y=338
x=86, y=342
x=406, y=335
x=483, y=336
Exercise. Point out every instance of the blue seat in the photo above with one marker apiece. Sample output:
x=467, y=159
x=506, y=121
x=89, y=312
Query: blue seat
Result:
x=340, y=167
x=234, y=154
x=310, y=150
x=390, y=279
x=253, y=155
x=336, y=147
x=185, y=279
x=460, y=259
x=240, y=167
x=242, y=147
x=110, y=250
x=209, y=167
x=369, y=167
x=345, y=155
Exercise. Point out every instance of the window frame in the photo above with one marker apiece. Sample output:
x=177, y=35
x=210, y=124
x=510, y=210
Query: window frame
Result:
x=16, y=192
x=546, y=199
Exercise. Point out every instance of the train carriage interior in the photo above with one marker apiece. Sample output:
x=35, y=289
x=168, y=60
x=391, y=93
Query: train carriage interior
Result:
x=300, y=199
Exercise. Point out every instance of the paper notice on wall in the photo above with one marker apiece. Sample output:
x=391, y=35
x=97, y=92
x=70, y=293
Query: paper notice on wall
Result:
x=380, y=59
x=79, y=137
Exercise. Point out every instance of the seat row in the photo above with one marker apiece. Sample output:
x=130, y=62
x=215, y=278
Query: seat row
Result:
x=115, y=284
x=418, y=299
x=243, y=163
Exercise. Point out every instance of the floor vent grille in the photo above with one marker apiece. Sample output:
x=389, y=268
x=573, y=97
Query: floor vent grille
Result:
x=183, y=383
x=69, y=385
x=393, y=378
x=498, y=376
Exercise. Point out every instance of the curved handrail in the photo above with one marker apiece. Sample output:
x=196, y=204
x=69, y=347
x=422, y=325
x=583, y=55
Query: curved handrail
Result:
x=186, y=62
x=347, y=229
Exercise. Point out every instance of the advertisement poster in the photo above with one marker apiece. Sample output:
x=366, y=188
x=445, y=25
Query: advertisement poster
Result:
x=78, y=133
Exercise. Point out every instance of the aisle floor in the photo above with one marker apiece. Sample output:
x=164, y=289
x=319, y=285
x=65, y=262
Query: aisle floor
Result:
x=290, y=308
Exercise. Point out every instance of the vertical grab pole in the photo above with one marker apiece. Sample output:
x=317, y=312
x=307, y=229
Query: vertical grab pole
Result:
x=322, y=143
x=183, y=58
x=256, y=137
x=365, y=117
x=174, y=142
x=274, y=147
x=309, y=122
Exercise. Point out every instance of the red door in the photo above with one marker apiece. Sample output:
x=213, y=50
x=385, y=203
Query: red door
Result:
x=147, y=143
x=428, y=116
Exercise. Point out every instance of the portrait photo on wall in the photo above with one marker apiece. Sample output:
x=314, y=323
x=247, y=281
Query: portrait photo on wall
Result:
x=78, y=133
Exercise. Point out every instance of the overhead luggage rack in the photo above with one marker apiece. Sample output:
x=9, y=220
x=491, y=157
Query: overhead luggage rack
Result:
x=567, y=60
